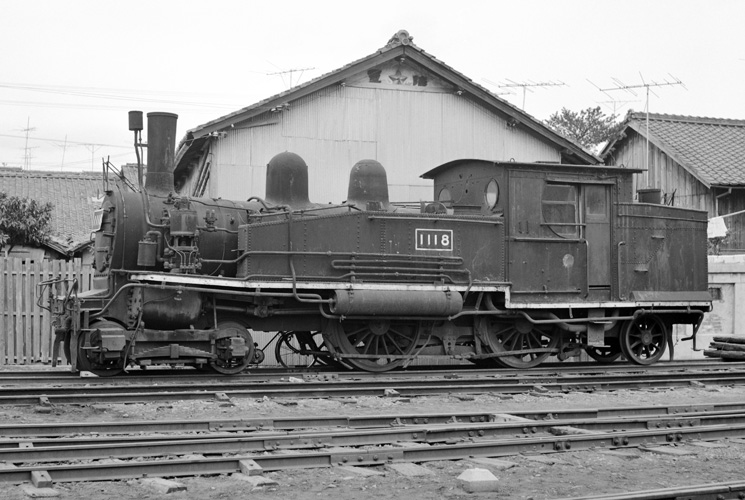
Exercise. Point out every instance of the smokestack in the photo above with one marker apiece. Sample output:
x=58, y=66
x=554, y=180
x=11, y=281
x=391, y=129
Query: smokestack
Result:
x=161, y=145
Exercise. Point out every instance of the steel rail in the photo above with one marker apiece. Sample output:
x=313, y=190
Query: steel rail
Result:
x=718, y=491
x=91, y=429
x=269, y=462
x=160, y=446
x=33, y=395
x=158, y=374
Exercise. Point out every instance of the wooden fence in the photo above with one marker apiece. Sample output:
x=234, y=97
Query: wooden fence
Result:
x=25, y=328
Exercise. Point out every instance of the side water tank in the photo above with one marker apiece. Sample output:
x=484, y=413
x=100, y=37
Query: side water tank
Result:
x=287, y=181
x=368, y=185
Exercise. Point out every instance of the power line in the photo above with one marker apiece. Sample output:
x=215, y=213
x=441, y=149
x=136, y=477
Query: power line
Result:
x=113, y=94
x=58, y=141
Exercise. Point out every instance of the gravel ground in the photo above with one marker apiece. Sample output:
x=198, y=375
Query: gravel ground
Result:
x=574, y=473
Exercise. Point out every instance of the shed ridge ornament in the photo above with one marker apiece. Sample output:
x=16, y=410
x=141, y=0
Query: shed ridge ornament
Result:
x=400, y=38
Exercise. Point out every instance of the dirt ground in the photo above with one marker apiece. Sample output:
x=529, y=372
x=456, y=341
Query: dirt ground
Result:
x=574, y=473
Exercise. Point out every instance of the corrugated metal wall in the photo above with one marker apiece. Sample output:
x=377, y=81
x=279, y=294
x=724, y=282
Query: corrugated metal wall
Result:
x=408, y=131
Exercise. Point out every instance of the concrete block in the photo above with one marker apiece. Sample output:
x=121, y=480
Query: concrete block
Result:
x=163, y=486
x=250, y=468
x=34, y=492
x=41, y=479
x=361, y=471
x=410, y=470
x=493, y=463
x=478, y=480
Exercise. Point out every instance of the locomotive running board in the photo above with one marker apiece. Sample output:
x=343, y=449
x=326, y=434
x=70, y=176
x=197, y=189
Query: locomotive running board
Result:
x=226, y=283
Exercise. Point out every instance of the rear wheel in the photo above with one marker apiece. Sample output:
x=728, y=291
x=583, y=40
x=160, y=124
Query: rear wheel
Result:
x=644, y=340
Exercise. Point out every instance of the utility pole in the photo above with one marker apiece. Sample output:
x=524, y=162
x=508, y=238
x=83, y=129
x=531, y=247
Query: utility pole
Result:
x=647, y=86
x=526, y=86
x=291, y=72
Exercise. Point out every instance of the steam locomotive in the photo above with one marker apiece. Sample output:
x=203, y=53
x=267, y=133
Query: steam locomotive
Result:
x=511, y=264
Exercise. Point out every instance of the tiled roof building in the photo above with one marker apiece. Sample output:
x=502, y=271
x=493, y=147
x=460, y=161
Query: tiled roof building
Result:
x=695, y=162
x=75, y=197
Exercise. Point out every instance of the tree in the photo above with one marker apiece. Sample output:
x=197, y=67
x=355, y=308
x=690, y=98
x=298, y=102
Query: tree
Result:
x=23, y=221
x=590, y=127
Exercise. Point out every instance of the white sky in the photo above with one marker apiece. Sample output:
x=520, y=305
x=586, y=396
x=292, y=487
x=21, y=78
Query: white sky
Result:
x=70, y=70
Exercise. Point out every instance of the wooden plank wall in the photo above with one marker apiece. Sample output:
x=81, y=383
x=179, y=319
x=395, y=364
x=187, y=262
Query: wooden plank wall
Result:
x=25, y=328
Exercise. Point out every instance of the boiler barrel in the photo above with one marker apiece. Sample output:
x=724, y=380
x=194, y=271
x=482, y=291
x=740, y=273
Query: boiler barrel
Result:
x=396, y=303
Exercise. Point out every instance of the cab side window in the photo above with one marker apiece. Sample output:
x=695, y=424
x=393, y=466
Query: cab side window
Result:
x=560, y=210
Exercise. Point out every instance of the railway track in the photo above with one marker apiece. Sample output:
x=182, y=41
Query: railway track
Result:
x=63, y=374
x=366, y=441
x=166, y=387
x=718, y=491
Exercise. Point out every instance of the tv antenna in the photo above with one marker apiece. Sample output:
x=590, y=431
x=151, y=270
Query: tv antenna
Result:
x=497, y=85
x=615, y=105
x=631, y=89
x=64, y=150
x=27, y=150
x=291, y=72
x=527, y=86
x=92, y=148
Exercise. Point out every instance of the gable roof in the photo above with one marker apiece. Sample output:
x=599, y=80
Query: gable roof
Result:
x=400, y=45
x=711, y=149
x=75, y=197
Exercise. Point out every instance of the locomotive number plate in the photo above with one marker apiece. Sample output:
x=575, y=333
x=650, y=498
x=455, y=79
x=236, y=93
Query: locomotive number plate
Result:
x=434, y=239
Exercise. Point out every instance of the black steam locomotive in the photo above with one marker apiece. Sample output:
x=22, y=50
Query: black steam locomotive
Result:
x=512, y=263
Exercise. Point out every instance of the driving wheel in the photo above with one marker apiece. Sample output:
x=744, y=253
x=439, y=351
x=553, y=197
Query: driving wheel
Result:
x=376, y=342
x=529, y=345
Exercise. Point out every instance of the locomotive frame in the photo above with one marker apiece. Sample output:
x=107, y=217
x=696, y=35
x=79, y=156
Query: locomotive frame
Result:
x=514, y=263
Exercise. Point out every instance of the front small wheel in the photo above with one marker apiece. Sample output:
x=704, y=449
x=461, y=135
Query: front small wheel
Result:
x=91, y=357
x=235, y=349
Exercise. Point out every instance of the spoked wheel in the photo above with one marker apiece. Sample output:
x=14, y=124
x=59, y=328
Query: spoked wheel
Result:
x=235, y=351
x=91, y=361
x=521, y=335
x=293, y=349
x=605, y=354
x=644, y=340
x=379, y=339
